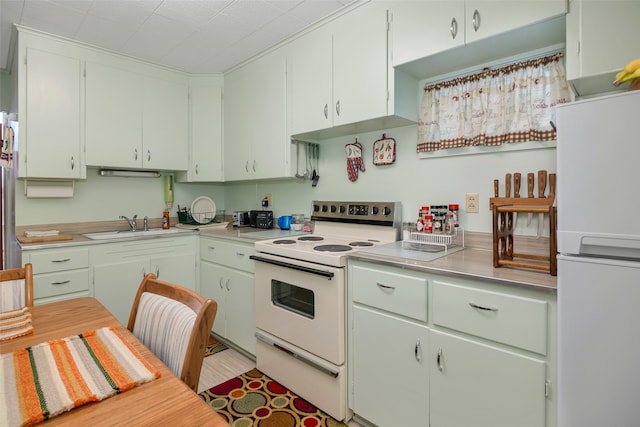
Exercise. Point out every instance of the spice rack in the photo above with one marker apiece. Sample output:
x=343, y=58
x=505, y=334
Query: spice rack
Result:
x=426, y=241
x=504, y=209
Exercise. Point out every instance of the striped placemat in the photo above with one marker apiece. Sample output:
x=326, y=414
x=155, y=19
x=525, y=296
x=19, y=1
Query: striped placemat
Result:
x=15, y=323
x=50, y=378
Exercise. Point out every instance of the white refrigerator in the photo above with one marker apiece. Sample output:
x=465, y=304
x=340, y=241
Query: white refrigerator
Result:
x=598, y=201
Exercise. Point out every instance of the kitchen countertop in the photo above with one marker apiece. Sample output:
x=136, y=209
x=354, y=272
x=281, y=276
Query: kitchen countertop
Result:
x=474, y=262
x=471, y=263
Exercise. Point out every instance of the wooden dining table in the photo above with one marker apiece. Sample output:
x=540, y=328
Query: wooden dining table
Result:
x=166, y=401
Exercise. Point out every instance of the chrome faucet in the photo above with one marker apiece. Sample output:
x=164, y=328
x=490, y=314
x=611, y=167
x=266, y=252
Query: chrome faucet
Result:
x=146, y=223
x=132, y=222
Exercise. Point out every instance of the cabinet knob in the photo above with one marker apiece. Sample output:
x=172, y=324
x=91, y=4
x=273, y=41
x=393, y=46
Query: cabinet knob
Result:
x=196, y=169
x=73, y=163
x=326, y=111
x=148, y=155
x=418, y=351
x=135, y=154
x=476, y=20
x=454, y=28
x=338, y=107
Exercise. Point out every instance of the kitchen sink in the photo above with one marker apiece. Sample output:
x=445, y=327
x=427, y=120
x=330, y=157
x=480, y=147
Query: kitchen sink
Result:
x=110, y=235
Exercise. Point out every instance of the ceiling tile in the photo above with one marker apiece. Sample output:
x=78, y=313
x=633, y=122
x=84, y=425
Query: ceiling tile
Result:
x=196, y=36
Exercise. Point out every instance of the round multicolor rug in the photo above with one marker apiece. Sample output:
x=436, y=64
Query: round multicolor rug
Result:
x=255, y=400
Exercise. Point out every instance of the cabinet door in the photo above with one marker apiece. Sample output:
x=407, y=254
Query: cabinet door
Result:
x=115, y=285
x=600, y=36
x=213, y=285
x=474, y=384
x=113, y=117
x=205, y=163
x=360, y=65
x=177, y=268
x=165, y=130
x=389, y=357
x=53, y=121
x=310, y=81
x=486, y=18
x=423, y=28
x=241, y=315
x=256, y=142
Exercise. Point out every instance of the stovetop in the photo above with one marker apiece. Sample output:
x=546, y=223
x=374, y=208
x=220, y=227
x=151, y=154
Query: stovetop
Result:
x=340, y=229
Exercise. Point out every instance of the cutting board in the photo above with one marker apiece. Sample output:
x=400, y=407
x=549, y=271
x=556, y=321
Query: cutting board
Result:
x=40, y=239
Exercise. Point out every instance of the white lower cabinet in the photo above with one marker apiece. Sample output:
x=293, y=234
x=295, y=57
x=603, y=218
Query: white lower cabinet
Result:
x=226, y=275
x=475, y=384
x=118, y=269
x=390, y=360
x=429, y=350
x=59, y=274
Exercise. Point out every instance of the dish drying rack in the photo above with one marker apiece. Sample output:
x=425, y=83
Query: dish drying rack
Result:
x=185, y=217
x=428, y=242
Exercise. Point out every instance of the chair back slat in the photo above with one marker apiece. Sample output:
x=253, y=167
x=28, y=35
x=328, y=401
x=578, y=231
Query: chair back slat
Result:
x=16, y=288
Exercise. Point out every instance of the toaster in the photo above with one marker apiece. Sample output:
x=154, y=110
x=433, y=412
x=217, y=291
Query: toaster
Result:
x=241, y=218
x=261, y=219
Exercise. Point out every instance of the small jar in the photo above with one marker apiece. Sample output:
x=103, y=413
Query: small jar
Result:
x=455, y=210
x=165, y=220
x=449, y=224
x=428, y=224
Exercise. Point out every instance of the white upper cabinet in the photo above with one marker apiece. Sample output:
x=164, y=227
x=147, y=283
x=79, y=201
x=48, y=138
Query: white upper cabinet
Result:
x=339, y=77
x=51, y=115
x=256, y=144
x=205, y=140
x=424, y=28
x=113, y=117
x=602, y=36
x=134, y=120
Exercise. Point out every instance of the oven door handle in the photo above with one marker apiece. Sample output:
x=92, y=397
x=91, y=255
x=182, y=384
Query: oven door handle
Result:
x=301, y=358
x=284, y=264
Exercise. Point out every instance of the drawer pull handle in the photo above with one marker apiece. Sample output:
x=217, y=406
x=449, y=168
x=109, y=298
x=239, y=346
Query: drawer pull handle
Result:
x=227, y=285
x=64, y=282
x=220, y=283
x=239, y=254
x=417, y=351
x=385, y=287
x=211, y=248
x=483, y=307
x=440, y=360
x=61, y=260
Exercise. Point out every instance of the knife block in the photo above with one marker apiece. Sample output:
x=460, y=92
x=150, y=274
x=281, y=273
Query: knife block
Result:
x=504, y=208
x=504, y=253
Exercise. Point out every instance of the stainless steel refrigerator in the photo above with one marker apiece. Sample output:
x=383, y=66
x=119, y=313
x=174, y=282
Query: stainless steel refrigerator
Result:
x=598, y=200
x=11, y=254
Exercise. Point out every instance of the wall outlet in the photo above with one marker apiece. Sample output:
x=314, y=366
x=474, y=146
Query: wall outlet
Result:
x=267, y=198
x=472, y=203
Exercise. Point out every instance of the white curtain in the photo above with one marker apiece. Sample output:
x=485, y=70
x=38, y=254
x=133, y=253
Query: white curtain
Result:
x=507, y=105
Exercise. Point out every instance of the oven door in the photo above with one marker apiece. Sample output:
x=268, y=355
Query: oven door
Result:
x=302, y=303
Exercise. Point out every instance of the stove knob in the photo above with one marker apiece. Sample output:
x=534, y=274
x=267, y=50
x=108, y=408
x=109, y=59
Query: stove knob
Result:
x=333, y=209
x=342, y=209
x=316, y=208
x=374, y=210
x=386, y=211
x=324, y=208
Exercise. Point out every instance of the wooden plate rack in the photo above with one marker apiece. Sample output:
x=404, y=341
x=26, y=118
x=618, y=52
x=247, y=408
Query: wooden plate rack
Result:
x=503, y=208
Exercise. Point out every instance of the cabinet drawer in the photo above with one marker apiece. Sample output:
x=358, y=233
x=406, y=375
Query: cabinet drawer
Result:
x=51, y=284
x=59, y=260
x=398, y=293
x=508, y=319
x=231, y=254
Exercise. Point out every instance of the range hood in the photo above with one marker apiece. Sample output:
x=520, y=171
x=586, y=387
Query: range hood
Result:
x=129, y=173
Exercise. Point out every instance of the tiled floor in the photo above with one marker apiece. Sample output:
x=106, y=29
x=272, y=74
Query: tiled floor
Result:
x=225, y=365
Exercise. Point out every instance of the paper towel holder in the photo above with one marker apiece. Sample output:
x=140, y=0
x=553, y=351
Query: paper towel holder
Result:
x=48, y=188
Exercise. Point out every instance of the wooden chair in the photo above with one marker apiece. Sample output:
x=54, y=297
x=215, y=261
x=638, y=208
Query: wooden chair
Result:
x=175, y=324
x=16, y=288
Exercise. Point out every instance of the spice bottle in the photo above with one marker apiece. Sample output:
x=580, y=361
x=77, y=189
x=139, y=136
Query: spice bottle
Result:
x=420, y=222
x=455, y=210
x=165, y=220
x=448, y=223
x=428, y=224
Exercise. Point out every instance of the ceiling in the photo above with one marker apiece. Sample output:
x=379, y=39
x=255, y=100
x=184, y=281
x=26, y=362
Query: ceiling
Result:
x=195, y=36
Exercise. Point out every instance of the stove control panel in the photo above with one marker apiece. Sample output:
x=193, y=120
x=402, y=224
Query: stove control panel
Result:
x=376, y=213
